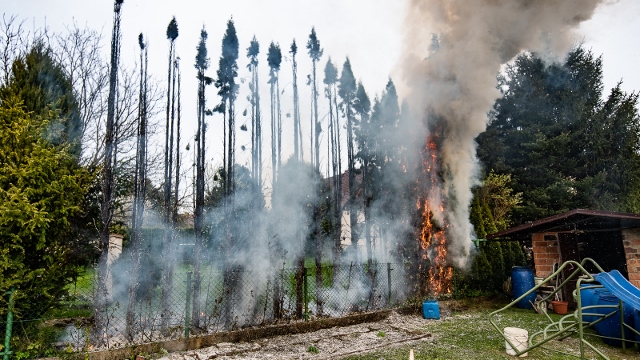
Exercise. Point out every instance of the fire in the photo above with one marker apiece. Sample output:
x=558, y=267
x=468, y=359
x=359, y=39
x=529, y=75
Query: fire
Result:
x=433, y=241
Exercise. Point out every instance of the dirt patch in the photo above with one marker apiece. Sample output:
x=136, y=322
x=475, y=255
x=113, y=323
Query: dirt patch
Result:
x=395, y=330
x=236, y=337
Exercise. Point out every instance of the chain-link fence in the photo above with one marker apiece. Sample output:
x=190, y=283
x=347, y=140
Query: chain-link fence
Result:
x=222, y=300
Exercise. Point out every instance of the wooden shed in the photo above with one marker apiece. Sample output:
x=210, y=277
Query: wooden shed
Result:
x=612, y=239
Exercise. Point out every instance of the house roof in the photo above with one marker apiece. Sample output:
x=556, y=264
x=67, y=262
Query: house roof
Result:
x=575, y=220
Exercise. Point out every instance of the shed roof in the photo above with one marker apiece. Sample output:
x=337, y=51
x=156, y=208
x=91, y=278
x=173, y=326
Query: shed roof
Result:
x=578, y=220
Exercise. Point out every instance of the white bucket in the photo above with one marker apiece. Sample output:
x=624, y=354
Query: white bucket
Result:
x=519, y=338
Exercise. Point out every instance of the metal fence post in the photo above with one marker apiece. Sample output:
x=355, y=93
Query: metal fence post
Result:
x=187, y=310
x=389, y=282
x=306, y=295
x=7, y=334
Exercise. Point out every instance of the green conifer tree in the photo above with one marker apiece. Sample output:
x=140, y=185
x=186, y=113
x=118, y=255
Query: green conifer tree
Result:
x=41, y=190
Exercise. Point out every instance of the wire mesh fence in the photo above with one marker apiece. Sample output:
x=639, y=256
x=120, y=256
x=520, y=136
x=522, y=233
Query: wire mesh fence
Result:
x=223, y=300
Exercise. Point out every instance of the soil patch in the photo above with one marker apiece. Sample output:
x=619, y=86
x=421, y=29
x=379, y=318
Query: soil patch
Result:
x=398, y=328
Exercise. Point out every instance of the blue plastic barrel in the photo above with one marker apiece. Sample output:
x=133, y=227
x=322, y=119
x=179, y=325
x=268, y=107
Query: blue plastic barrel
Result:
x=611, y=326
x=589, y=297
x=521, y=282
x=431, y=309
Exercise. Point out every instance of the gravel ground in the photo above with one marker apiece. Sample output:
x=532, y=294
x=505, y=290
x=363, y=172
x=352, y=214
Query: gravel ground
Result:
x=333, y=343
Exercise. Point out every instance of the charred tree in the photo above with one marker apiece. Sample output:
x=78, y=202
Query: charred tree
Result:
x=274, y=58
x=256, y=127
x=347, y=92
x=297, y=131
x=330, y=80
x=362, y=106
x=315, y=53
x=389, y=157
x=201, y=65
x=167, y=241
x=338, y=195
x=106, y=211
x=139, y=193
x=176, y=187
x=226, y=83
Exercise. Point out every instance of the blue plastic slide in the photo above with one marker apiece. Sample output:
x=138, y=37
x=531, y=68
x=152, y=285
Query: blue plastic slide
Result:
x=620, y=287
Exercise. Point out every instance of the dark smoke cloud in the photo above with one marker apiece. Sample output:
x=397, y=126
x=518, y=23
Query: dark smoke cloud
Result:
x=456, y=83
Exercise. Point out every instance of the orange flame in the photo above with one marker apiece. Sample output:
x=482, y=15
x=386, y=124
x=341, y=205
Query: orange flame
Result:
x=432, y=238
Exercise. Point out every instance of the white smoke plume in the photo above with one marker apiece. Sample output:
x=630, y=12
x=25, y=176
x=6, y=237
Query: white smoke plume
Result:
x=456, y=84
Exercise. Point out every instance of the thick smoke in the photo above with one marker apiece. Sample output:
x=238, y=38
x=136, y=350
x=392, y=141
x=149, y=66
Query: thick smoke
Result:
x=454, y=82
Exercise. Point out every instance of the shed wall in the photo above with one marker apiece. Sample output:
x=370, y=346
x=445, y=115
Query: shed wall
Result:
x=631, y=243
x=545, y=254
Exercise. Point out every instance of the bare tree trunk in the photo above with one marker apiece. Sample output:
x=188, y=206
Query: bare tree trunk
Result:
x=279, y=122
x=367, y=211
x=317, y=127
x=318, y=258
x=224, y=151
x=311, y=137
x=256, y=126
x=299, y=287
x=232, y=142
x=177, y=183
x=252, y=100
x=338, y=200
x=199, y=208
x=167, y=267
x=332, y=162
x=139, y=195
x=353, y=215
x=273, y=129
x=231, y=148
x=258, y=135
x=229, y=279
x=297, y=142
x=106, y=212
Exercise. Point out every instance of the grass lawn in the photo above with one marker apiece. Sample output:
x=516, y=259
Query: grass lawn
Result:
x=83, y=284
x=464, y=332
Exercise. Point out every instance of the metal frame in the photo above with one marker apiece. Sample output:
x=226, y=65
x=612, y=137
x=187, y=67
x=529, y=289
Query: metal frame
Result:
x=571, y=324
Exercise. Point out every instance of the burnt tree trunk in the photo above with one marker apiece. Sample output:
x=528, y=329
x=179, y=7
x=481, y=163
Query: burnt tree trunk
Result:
x=139, y=194
x=338, y=184
x=167, y=240
x=297, y=139
x=353, y=214
x=106, y=211
x=299, y=288
x=199, y=206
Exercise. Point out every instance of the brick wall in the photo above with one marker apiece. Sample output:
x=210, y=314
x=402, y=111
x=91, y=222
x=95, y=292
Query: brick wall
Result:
x=631, y=243
x=546, y=253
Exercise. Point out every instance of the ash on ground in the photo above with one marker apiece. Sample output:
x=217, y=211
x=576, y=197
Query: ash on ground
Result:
x=396, y=330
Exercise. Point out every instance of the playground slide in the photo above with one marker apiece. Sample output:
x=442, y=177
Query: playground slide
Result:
x=620, y=287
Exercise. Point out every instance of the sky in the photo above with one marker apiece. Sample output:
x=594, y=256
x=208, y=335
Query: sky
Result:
x=370, y=32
